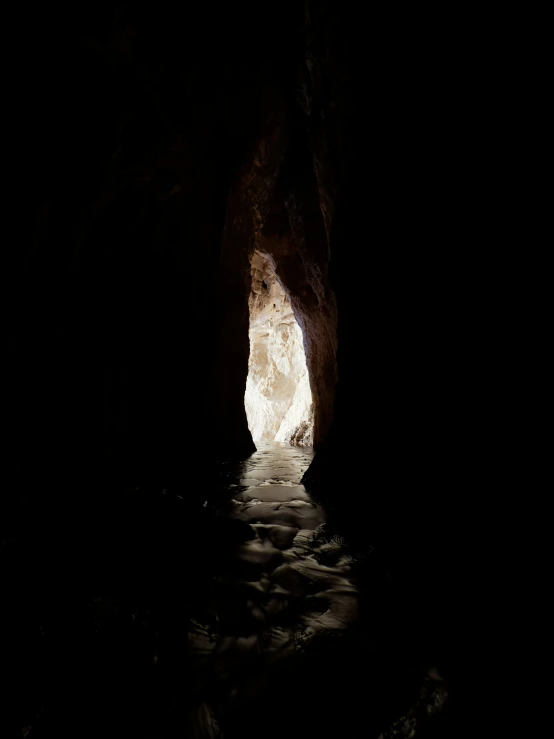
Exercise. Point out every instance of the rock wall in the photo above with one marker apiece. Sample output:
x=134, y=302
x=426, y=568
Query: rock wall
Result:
x=295, y=237
x=156, y=150
x=247, y=206
x=129, y=340
x=154, y=178
x=395, y=126
x=278, y=398
x=274, y=207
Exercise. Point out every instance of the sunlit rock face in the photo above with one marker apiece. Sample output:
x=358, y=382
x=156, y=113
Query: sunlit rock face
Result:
x=278, y=399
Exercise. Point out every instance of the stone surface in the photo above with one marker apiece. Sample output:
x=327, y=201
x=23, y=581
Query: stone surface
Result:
x=278, y=397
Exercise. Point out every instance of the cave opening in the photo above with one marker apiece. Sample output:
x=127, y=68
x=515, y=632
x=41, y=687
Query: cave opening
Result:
x=278, y=397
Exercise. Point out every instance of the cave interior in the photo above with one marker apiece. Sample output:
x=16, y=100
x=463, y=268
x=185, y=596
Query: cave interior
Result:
x=177, y=172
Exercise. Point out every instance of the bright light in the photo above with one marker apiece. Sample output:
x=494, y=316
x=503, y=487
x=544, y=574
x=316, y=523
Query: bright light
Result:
x=278, y=399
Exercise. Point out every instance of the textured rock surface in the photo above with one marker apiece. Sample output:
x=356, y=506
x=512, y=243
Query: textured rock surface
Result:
x=278, y=398
x=294, y=236
x=248, y=202
x=157, y=148
x=274, y=207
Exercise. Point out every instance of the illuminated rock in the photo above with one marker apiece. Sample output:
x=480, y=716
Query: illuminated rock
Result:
x=278, y=399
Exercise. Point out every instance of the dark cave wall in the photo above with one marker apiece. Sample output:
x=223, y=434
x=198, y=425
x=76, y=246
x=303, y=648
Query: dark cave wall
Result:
x=140, y=136
x=153, y=148
x=247, y=208
x=294, y=235
x=398, y=132
x=387, y=160
x=274, y=206
x=156, y=168
x=133, y=126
